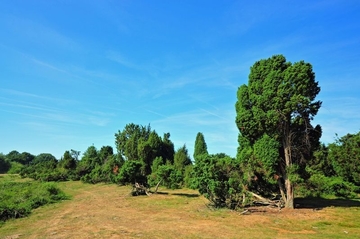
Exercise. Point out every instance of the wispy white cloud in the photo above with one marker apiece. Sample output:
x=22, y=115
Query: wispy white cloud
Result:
x=27, y=95
x=98, y=121
x=115, y=12
x=26, y=106
x=60, y=111
x=122, y=60
x=212, y=113
x=49, y=66
x=156, y=113
x=36, y=32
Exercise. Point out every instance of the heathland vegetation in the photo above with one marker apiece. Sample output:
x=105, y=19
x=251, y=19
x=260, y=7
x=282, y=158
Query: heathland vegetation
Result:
x=280, y=156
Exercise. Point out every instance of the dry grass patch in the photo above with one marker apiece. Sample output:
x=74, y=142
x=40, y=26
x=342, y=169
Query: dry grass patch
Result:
x=107, y=211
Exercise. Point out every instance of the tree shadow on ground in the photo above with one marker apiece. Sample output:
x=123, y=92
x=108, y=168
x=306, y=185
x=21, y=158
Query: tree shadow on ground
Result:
x=162, y=193
x=189, y=195
x=320, y=203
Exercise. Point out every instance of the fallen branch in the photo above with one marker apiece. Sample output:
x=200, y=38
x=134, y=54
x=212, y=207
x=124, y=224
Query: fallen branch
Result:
x=265, y=201
x=259, y=197
x=157, y=186
x=244, y=212
x=139, y=189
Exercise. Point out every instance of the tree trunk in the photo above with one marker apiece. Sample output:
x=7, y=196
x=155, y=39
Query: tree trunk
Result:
x=289, y=202
x=282, y=190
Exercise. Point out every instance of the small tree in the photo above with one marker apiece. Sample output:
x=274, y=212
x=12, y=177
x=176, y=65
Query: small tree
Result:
x=105, y=153
x=218, y=179
x=131, y=172
x=141, y=143
x=200, y=146
x=181, y=159
x=88, y=162
x=67, y=161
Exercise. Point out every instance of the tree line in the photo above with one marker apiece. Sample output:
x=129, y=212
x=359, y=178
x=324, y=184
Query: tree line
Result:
x=142, y=156
x=279, y=155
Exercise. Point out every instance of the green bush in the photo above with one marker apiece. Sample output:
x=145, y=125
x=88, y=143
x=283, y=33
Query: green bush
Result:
x=169, y=176
x=17, y=199
x=217, y=178
x=319, y=185
x=131, y=172
x=15, y=168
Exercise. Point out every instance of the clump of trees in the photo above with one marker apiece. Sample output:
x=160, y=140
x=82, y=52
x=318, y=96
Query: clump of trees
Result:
x=279, y=150
x=279, y=154
x=142, y=157
x=151, y=159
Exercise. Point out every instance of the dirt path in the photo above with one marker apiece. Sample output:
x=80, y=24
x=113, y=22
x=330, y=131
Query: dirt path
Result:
x=107, y=211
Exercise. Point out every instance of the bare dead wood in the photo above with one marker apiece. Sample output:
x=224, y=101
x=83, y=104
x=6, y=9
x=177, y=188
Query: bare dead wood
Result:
x=139, y=189
x=245, y=211
x=157, y=186
x=265, y=201
x=258, y=196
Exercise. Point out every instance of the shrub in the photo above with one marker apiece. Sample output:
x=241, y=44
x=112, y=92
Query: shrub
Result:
x=15, y=168
x=319, y=185
x=17, y=199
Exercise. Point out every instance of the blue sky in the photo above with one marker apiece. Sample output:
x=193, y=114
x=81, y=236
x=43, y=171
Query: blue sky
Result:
x=73, y=73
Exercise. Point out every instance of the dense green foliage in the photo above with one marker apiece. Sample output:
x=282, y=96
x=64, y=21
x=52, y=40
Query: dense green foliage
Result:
x=141, y=143
x=17, y=199
x=138, y=148
x=279, y=149
x=131, y=172
x=4, y=164
x=200, y=147
x=148, y=157
x=279, y=103
x=43, y=168
x=168, y=175
x=217, y=178
x=23, y=158
x=171, y=175
x=344, y=156
x=182, y=159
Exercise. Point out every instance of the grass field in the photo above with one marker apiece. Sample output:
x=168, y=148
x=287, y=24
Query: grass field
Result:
x=107, y=211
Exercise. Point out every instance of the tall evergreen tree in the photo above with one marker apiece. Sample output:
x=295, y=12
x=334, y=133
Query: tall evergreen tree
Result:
x=67, y=161
x=106, y=153
x=167, y=148
x=200, y=146
x=276, y=107
x=181, y=159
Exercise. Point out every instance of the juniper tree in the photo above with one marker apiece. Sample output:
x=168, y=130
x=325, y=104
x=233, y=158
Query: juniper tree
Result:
x=276, y=107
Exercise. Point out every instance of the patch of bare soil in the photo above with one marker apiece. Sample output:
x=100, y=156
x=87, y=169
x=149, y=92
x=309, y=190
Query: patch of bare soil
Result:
x=107, y=211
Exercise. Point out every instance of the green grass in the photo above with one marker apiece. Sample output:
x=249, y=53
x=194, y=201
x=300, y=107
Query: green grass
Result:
x=19, y=197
